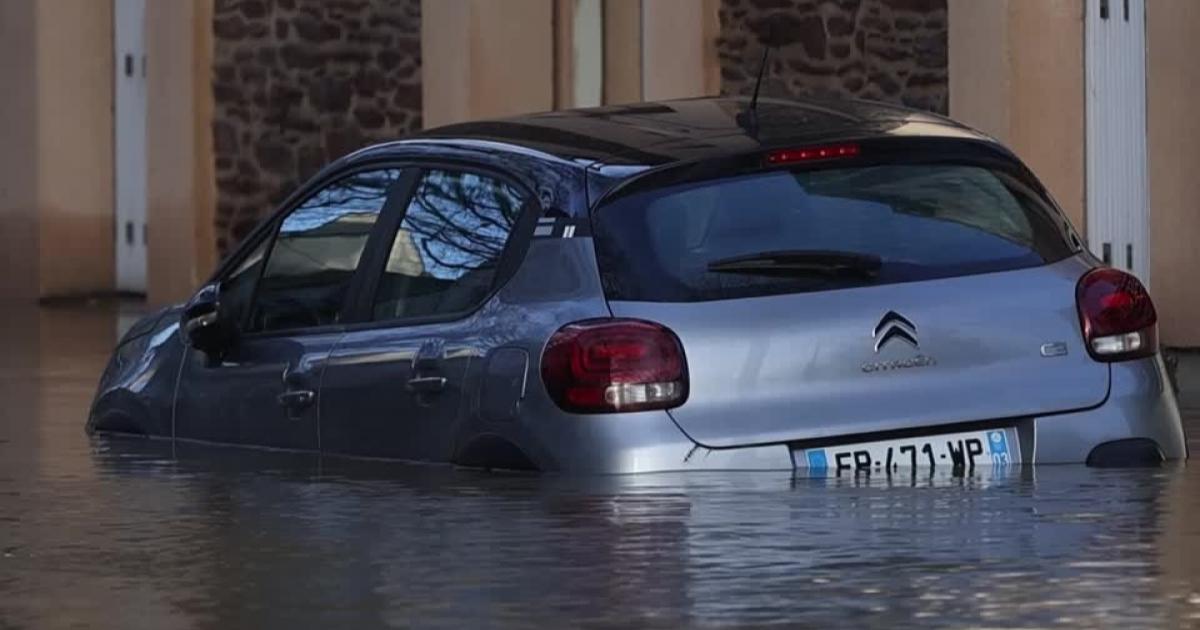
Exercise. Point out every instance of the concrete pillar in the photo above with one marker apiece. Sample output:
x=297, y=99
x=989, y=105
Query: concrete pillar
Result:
x=56, y=194
x=1173, y=144
x=1016, y=72
x=181, y=184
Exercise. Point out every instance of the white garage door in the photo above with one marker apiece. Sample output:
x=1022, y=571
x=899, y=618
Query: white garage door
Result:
x=129, y=91
x=1118, y=220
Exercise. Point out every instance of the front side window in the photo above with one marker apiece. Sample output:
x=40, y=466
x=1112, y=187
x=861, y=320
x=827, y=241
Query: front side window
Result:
x=444, y=256
x=237, y=289
x=316, y=251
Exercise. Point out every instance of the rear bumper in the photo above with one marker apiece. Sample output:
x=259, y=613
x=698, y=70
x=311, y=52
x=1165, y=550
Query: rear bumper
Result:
x=1140, y=406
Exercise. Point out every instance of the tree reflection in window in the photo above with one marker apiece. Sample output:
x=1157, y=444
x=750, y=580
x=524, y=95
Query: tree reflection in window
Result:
x=444, y=256
x=316, y=251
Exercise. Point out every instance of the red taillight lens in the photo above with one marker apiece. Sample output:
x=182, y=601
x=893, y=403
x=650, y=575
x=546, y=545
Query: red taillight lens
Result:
x=1118, y=317
x=808, y=154
x=614, y=365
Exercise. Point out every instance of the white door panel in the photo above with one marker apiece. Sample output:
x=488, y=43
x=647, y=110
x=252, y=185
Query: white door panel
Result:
x=1118, y=222
x=129, y=93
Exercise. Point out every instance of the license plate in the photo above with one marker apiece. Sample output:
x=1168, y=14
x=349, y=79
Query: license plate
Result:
x=971, y=449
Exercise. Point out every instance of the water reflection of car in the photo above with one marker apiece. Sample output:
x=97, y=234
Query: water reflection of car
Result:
x=837, y=287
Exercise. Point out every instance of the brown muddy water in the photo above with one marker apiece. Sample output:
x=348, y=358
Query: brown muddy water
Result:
x=143, y=534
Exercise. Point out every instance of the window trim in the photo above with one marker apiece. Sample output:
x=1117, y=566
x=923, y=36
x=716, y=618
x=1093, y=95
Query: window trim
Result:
x=514, y=252
x=265, y=228
x=357, y=311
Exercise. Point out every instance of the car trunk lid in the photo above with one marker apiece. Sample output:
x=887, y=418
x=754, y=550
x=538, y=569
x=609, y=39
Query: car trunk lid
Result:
x=802, y=366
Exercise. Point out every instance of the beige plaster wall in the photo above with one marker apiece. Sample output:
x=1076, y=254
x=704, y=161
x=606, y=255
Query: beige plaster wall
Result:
x=1016, y=73
x=75, y=140
x=1048, y=124
x=18, y=151
x=622, y=51
x=679, y=53
x=564, y=42
x=204, y=168
x=56, y=189
x=1173, y=88
x=980, y=65
x=483, y=59
x=180, y=188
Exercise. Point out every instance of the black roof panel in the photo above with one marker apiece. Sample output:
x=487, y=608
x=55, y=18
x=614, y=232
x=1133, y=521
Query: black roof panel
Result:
x=655, y=134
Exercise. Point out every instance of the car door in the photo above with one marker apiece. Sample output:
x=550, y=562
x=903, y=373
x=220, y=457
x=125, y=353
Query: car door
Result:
x=395, y=387
x=290, y=295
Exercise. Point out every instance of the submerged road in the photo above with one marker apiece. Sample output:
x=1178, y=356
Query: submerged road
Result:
x=143, y=534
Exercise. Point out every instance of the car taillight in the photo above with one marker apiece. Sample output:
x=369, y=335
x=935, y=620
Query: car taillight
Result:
x=1118, y=317
x=614, y=365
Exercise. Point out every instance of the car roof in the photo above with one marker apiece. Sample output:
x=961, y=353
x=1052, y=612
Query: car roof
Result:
x=618, y=143
x=659, y=133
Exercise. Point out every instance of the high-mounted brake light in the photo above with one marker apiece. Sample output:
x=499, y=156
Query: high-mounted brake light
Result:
x=808, y=154
x=614, y=365
x=1118, y=317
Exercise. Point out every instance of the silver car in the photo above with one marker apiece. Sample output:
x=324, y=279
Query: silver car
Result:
x=830, y=287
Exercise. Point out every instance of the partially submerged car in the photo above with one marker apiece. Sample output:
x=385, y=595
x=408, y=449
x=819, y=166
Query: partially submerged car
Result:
x=846, y=287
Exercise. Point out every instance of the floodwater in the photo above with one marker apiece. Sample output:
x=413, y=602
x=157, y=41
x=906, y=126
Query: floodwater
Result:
x=138, y=534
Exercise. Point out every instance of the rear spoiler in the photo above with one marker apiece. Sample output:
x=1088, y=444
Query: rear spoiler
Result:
x=868, y=152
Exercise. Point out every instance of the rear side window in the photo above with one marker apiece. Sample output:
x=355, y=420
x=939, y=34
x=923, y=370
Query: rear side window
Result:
x=443, y=258
x=795, y=231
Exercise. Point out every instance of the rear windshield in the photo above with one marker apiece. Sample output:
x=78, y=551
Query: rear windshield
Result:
x=794, y=231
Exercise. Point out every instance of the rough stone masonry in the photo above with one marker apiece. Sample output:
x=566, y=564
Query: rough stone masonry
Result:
x=298, y=83
x=886, y=50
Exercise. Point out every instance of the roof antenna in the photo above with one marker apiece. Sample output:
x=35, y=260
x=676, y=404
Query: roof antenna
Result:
x=758, y=82
x=748, y=119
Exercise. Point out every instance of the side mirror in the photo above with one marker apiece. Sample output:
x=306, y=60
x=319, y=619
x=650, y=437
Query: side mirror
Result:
x=201, y=321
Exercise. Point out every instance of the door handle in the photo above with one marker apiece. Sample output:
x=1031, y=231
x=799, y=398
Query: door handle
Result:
x=427, y=384
x=424, y=364
x=297, y=399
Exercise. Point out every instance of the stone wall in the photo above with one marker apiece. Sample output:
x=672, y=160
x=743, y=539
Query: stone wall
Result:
x=886, y=50
x=298, y=83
